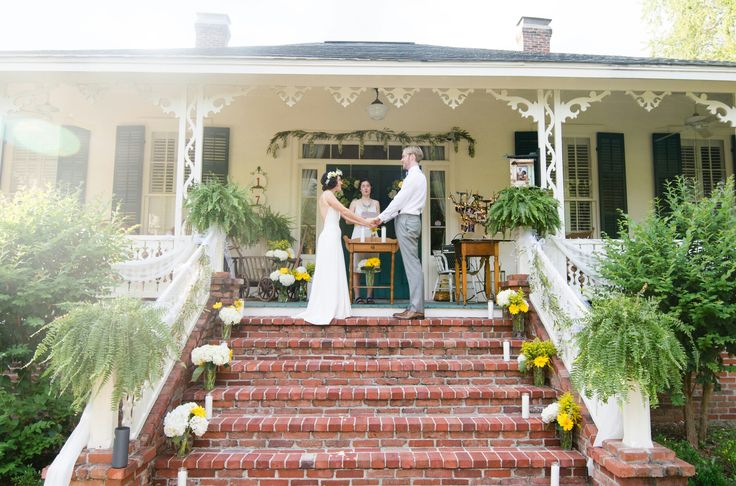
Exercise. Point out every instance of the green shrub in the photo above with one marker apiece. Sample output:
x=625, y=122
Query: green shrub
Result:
x=517, y=207
x=708, y=470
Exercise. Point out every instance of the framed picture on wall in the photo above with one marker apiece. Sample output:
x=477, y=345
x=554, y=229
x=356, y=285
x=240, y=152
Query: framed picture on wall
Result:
x=522, y=172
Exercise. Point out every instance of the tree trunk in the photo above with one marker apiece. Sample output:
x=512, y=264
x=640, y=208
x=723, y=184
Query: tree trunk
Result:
x=704, y=410
x=689, y=411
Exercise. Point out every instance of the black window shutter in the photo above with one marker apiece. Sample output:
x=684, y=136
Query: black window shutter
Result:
x=667, y=158
x=215, y=154
x=127, y=182
x=733, y=153
x=71, y=171
x=611, y=180
x=525, y=143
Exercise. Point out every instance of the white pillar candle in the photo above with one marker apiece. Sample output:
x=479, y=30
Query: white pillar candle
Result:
x=362, y=234
x=490, y=309
x=525, y=405
x=181, y=477
x=554, y=477
x=208, y=406
x=383, y=234
x=506, y=351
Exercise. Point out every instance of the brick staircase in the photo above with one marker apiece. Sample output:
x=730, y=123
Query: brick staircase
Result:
x=373, y=401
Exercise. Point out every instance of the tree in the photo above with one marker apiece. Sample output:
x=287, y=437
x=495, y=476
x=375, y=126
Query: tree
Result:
x=692, y=29
x=686, y=260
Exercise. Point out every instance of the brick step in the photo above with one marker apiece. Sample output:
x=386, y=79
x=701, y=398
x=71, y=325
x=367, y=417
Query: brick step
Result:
x=357, y=432
x=378, y=371
x=341, y=346
x=372, y=400
x=458, y=466
x=377, y=327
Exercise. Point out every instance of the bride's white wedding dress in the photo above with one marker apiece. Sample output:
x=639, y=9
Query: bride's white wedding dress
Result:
x=329, y=298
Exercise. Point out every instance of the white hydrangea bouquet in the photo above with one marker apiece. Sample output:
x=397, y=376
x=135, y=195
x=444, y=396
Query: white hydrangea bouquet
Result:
x=229, y=315
x=283, y=278
x=513, y=302
x=278, y=255
x=207, y=358
x=181, y=423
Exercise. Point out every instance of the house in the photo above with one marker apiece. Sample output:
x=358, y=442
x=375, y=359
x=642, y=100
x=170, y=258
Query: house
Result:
x=140, y=127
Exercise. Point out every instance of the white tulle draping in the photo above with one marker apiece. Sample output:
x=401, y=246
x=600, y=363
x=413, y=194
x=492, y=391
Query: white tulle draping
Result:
x=583, y=254
x=156, y=267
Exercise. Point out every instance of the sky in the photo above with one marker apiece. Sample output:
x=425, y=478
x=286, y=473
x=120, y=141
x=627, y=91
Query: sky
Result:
x=578, y=26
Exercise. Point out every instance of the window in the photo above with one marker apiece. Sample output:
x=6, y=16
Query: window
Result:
x=32, y=168
x=578, y=188
x=370, y=152
x=308, y=210
x=161, y=199
x=437, y=209
x=702, y=160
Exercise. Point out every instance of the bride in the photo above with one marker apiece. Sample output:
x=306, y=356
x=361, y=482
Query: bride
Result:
x=329, y=298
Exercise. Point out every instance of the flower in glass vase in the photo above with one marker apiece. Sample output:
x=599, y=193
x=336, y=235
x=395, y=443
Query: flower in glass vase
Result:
x=537, y=358
x=514, y=303
x=370, y=266
x=283, y=278
x=229, y=315
x=565, y=413
x=182, y=423
x=207, y=359
x=302, y=276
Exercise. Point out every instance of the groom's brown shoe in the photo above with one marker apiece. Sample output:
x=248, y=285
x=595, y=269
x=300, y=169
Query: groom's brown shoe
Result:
x=408, y=315
x=400, y=315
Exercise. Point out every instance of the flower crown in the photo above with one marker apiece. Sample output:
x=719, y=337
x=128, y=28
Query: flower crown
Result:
x=334, y=173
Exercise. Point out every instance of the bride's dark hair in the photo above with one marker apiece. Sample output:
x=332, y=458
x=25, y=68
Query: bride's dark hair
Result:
x=328, y=183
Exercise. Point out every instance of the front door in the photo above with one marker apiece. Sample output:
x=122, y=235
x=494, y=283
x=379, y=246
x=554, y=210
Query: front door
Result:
x=381, y=178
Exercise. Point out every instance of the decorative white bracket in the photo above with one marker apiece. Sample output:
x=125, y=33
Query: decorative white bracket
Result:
x=568, y=110
x=453, y=97
x=725, y=113
x=648, y=100
x=92, y=91
x=534, y=109
x=291, y=95
x=218, y=97
x=345, y=96
x=399, y=96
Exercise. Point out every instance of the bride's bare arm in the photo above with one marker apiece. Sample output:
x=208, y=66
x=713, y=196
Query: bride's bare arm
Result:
x=332, y=201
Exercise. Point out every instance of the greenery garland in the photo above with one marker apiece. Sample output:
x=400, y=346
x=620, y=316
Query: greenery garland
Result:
x=281, y=139
x=538, y=282
x=191, y=305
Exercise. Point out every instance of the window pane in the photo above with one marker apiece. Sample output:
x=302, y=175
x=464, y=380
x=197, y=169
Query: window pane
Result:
x=308, y=210
x=437, y=184
x=437, y=236
x=394, y=152
x=316, y=151
x=374, y=152
x=349, y=151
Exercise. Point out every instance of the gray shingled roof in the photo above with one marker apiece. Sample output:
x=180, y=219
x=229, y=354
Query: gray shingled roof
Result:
x=370, y=51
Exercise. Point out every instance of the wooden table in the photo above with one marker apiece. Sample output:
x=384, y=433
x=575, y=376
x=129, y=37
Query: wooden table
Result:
x=476, y=248
x=372, y=245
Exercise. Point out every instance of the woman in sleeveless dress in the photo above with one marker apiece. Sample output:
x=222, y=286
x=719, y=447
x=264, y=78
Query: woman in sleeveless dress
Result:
x=329, y=298
x=367, y=208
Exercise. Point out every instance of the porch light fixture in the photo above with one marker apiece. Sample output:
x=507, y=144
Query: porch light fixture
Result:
x=377, y=110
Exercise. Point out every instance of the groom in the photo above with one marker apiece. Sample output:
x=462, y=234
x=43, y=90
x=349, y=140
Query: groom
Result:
x=408, y=205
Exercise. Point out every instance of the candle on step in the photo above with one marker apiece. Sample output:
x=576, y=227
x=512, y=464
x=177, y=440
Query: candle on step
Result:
x=490, y=309
x=525, y=405
x=181, y=477
x=362, y=234
x=208, y=406
x=383, y=234
x=506, y=351
x=554, y=477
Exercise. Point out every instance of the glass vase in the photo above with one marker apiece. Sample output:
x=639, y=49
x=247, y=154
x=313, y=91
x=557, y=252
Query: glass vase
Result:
x=517, y=324
x=283, y=295
x=370, y=279
x=565, y=438
x=302, y=294
x=183, y=444
x=538, y=374
x=227, y=329
x=210, y=373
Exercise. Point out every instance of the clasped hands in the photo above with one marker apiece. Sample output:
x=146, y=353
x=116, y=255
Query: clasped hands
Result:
x=374, y=222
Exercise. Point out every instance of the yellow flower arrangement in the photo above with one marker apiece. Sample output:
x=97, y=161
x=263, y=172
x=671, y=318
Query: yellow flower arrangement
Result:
x=538, y=354
x=283, y=270
x=199, y=411
x=541, y=361
x=565, y=422
x=217, y=305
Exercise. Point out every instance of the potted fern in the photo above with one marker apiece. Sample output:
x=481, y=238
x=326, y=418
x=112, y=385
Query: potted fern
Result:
x=628, y=349
x=524, y=207
x=275, y=226
x=117, y=344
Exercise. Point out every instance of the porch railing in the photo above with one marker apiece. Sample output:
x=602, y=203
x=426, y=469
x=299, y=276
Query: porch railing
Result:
x=183, y=301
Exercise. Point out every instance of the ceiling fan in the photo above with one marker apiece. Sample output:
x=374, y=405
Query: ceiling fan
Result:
x=696, y=123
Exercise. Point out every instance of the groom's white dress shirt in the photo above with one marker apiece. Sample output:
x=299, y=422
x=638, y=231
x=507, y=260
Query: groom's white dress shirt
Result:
x=411, y=197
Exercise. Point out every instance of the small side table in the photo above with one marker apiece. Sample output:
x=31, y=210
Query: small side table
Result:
x=485, y=249
x=371, y=245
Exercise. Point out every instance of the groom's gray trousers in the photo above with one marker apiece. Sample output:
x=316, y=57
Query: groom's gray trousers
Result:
x=408, y=231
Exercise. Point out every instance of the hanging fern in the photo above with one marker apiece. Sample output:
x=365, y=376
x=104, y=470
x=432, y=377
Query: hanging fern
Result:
x=455, y=136
x=517, y=207
x=121, y=339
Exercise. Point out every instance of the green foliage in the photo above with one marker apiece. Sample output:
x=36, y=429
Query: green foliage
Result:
x=33, y=426
x=224, y=205
x=122, y=339
x=52, y=250
x=517, y=207
x=687, y=260
x=628, y=339
x=692, y=29
x=709, y=471
x=454, y=136
x=275, y=226
x=536, y=348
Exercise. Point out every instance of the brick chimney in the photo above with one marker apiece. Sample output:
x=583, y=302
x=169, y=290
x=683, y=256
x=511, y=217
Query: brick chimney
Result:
x=534, y=34
x=212, y=30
